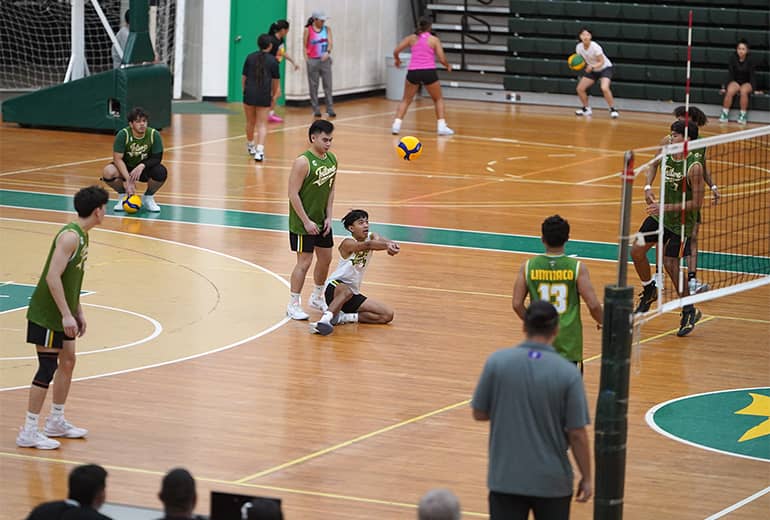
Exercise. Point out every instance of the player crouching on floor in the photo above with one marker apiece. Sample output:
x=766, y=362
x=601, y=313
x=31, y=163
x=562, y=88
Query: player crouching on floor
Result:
x=342, y=291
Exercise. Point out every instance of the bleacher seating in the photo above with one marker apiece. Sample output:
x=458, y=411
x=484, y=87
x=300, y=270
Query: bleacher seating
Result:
x=646, y=41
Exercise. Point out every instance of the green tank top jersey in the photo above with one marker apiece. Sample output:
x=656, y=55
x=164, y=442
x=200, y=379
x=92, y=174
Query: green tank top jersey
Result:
x=42, y=307
x=554, y=279
x=315, y=191
x=673, y=175
x=136, y=150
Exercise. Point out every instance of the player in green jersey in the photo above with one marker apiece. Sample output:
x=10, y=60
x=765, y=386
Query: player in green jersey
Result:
x=136, y=156
x=676, y=169
x=311, y=197
x=55, y=318
x=699, y=118
x=562, y=281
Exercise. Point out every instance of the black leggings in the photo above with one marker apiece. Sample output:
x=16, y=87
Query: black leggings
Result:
x=503, y=506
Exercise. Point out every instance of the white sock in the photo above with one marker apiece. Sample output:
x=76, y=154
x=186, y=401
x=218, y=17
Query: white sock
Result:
x=272, y=113
x=30, y=423
x=743, y=113
x=294, y=300
x=57, y=410
x=251, y=143
x=318, y=290
x=648, y=282
x=260, y=147
x=441, y=123
x=351, y=317
x=396, y=123
x=327, y=317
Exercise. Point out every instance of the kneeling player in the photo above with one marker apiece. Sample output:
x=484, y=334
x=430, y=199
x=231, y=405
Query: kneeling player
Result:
x=346, y=303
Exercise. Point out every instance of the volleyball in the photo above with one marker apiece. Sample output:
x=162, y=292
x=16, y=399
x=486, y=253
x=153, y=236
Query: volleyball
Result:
x=132, y=204
x=409, y=148
x=576, y=61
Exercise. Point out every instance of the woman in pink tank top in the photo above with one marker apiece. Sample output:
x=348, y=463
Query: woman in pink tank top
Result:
x=422, y=71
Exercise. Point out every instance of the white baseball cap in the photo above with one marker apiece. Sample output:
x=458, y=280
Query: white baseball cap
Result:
x=319, y=15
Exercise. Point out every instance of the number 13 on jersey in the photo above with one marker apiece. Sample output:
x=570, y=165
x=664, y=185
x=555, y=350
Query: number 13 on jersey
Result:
x=556, y=293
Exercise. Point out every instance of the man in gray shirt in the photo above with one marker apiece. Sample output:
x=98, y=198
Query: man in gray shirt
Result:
x=536, y=405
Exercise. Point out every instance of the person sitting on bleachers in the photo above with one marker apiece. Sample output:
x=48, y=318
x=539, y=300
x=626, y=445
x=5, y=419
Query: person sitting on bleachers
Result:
x=741, y=77
x=177, y=492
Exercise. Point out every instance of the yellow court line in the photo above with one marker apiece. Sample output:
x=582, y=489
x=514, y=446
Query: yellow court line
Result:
x=351, y=441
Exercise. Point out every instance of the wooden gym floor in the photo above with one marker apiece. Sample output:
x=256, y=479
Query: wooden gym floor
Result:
x=190, y=362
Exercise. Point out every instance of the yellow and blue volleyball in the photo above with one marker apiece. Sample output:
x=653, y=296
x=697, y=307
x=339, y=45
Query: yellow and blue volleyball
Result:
x=132, y=204
x=409, y=147
x=576, y=61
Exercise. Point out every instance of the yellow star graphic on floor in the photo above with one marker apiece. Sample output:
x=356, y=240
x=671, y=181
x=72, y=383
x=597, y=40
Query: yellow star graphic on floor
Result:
x=760, y=406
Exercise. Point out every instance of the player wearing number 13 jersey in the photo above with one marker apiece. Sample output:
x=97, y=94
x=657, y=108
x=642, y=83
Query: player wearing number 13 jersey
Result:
x=561, y=280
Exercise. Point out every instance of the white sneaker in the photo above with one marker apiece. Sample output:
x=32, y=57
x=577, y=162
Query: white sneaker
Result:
x=119, y=205
x=696, y=287
x=251, y=149
x=614, y=114
x=148, y=202
x=35, y=439
x=63, y=428
x=395, y=129
x=324, y=328
x=259, y=156
x=723, y=117
x=445, y=130
x=295, y=312
x=584, y=111
x=341, y=318
x=318, y=302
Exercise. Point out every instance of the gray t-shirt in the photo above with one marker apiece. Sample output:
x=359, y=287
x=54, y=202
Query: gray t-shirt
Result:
x=532, y=396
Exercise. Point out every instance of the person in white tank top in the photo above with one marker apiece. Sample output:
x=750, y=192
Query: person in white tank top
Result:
x=343, y=295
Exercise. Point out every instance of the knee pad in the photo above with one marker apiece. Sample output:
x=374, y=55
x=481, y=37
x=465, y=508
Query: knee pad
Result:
x=48, y=363
x=158, y=173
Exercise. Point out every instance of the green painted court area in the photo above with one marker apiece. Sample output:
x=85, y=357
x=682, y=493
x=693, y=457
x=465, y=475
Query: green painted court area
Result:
x=732, y=421
x=414, y=234
x=16, y=296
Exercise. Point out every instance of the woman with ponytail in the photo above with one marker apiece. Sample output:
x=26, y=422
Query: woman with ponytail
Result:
x=277, y=33
x=422, y=71
x=261, y=85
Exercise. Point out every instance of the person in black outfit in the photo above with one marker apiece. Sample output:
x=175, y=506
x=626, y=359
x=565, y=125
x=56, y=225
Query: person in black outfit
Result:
x=278, y=31
x=261, y=82
x=177, y=492
x=741, y=77
x=87, y=492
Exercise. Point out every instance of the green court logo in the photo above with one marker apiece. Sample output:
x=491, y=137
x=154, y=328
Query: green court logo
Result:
x=735, y=422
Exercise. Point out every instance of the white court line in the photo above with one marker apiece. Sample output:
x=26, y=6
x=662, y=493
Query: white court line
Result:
x=740, y=504
x=158, y=328
x=178, y=360
x=202, y=143
x=610, y=176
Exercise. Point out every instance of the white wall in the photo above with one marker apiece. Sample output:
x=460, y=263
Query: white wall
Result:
x=363, y=32
x=192, y=73
x=215, y=48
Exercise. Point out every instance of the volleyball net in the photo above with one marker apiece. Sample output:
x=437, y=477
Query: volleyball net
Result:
x=730, y=241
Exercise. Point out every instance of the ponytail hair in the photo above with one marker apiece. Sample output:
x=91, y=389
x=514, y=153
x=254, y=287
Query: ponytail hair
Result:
x=310, y=21
x=423, y=24
x=278, y=25
x=263, y=42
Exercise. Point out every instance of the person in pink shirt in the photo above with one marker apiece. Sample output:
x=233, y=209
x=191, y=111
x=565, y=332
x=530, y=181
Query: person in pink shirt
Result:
x=422, y=71
x=318, y=42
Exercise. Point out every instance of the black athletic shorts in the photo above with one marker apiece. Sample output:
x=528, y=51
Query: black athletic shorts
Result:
x=604, y=73
x=671, y=240
x=422, y=76
x=351, y=305
x=257, y=99
x=39, y=335
x=308, y=243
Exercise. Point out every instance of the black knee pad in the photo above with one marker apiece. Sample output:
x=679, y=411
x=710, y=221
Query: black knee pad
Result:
x=49, y=362
x=158, y=173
